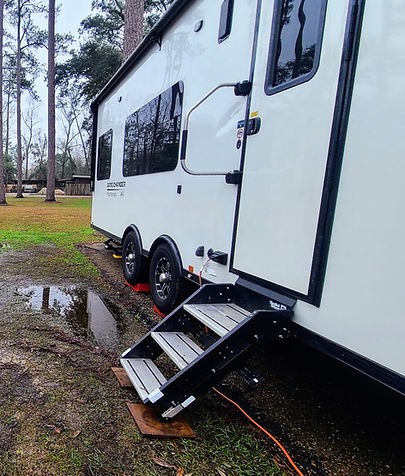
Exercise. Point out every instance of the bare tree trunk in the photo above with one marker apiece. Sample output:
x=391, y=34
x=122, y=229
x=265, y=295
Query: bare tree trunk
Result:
x=8, y=122
x=29, y=121
x=18, y=86
x=85, y=151
x=50, y=184
x=2, y=187
x=26, y=165
x=65, y=153
x=133, y=26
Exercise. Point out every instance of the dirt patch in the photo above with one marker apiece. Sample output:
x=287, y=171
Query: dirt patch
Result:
x=62, y=412
x=334, y=420
x=111, y=274
x=17, y=384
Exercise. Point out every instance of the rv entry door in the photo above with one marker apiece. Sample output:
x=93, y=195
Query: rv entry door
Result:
x=296, y=80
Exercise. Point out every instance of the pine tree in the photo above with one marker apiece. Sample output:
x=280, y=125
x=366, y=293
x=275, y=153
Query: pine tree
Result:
x=50, y=183
x=133, y=25
x=2, y=187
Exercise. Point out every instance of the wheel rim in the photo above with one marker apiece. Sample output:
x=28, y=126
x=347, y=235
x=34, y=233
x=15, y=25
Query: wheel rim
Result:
x=163, y=278
x=130, y=257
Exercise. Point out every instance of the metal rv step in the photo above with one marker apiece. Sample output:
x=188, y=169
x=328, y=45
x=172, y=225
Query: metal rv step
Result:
x=179, y=347
x=220, y=318
x=203, y=358
x=144, y=375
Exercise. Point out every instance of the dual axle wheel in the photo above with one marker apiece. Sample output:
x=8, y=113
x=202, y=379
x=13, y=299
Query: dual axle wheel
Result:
x=164, y=271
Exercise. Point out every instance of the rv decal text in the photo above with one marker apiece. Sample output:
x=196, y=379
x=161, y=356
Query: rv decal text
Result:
x=115, y=189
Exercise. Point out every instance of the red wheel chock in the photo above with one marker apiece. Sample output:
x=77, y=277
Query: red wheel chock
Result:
x=140, y=287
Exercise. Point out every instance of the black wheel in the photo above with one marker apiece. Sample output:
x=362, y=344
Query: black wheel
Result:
x=164, y=278
x=132, y=258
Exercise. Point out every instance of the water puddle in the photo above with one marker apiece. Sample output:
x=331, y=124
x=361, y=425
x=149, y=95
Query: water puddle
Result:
x=84, y=311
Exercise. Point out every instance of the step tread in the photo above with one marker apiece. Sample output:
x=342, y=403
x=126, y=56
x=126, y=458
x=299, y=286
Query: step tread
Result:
x=220, y=318
x=179, y=347
x=144, y=375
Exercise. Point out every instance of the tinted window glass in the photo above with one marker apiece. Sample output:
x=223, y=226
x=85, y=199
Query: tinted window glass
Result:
x=104, y=155
x=152, y=134
x=296, y=42
x=225, y=22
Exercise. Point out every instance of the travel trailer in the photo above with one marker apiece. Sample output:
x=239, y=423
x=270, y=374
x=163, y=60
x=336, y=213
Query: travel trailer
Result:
x=255, y=148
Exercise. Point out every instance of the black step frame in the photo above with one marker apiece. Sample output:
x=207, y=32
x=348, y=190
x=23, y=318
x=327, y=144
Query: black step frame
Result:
x=225, y=353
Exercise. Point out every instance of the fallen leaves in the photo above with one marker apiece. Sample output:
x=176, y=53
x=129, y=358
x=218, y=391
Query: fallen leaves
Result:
x=165, y=464
x=76, y=433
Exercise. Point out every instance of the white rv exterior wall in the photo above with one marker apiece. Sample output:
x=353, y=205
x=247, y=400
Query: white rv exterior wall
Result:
x=203, y=214
x=285, y=163
x=363, y=300
x=364, y=297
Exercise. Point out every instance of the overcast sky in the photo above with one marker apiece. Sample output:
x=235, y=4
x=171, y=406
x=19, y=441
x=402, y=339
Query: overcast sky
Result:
x=71, y=13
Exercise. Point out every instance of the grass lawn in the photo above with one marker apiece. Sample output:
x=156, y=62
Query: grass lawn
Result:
x=61, y=411
x=58, y=226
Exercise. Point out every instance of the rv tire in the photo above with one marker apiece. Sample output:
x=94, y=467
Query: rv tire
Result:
x=132, y=258
x=164, y=278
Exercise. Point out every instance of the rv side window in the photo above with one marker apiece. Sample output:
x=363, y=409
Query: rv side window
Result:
x=225, y=21
x=295, y=43
x=152, y=134
x=104, y=155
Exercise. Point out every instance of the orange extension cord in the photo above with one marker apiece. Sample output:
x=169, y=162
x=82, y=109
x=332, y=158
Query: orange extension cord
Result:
x=267, y=433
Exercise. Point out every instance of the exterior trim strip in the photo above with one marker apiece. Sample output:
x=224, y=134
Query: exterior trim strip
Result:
x=377, y=372
x=336, y=150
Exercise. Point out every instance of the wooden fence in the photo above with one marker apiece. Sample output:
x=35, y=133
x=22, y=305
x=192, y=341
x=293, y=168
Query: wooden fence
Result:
x=77, y=189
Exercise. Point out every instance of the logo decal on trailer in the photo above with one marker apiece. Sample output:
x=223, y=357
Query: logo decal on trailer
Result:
x=277, y=306
x=116, y=189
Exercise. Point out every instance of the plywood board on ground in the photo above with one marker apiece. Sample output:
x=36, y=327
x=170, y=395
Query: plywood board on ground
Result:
x=150, y=424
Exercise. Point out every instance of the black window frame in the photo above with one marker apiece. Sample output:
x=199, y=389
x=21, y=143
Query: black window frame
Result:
x=126, y=172
x=225, y=20
x=272, y=58
x=98, y=171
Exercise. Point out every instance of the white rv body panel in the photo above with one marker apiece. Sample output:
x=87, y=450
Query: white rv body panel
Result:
x=285, y=163
x=151, y=201
x=277, y=211
x=363, y=300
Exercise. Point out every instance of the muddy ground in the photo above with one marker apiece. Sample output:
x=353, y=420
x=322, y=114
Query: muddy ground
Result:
x=62, y=412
